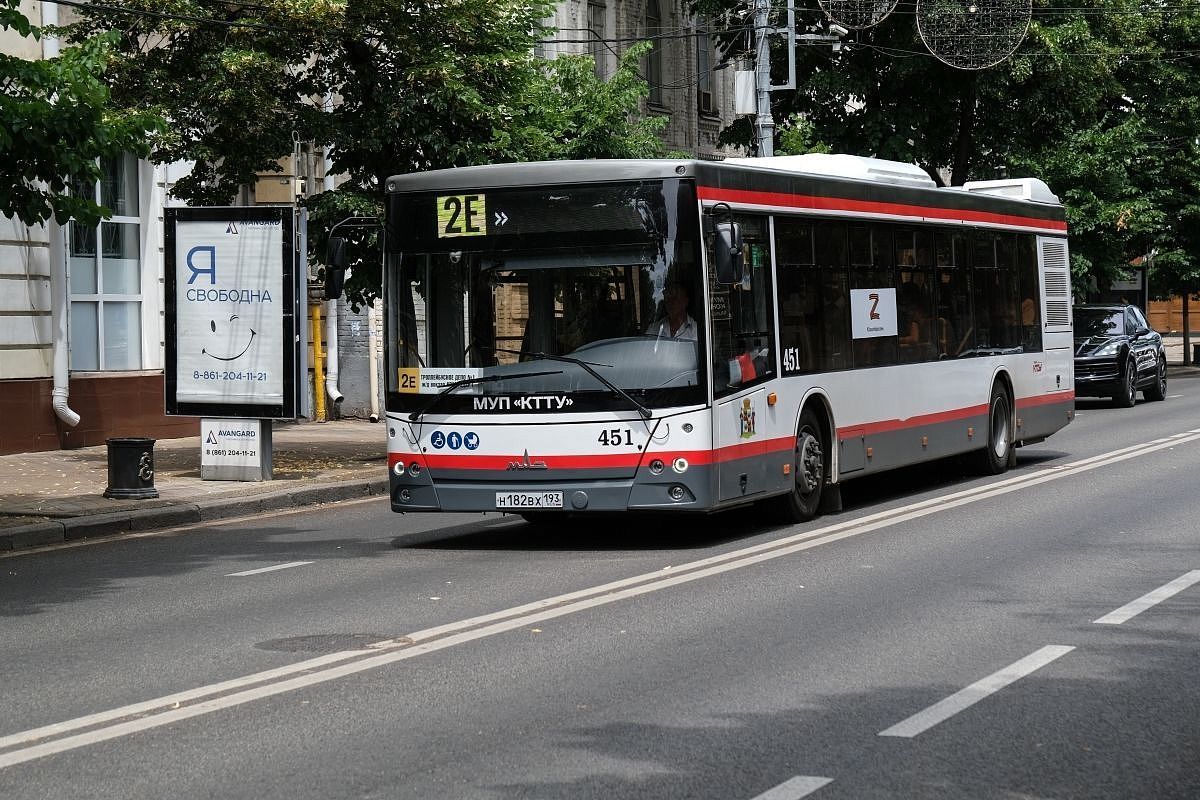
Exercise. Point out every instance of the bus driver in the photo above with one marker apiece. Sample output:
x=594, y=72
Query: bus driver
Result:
x=678, y=323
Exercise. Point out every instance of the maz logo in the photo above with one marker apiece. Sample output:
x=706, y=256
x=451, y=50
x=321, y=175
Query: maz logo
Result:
x=874, y=298
x=525, y=463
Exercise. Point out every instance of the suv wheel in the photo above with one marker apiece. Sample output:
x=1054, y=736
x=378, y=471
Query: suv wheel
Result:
x=1158, y=391
x=1128, y=395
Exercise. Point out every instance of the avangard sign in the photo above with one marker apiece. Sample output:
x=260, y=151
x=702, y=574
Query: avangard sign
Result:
x=232, y=302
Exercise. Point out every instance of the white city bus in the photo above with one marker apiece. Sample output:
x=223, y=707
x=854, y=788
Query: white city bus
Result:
x=841, y=316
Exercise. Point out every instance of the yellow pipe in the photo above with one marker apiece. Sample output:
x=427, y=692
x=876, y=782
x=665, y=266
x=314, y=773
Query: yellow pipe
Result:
x=318, y=361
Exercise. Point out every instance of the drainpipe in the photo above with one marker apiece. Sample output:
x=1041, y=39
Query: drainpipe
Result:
x=58, y=316
x=331, y=313
x=314, y=318
x=58, y=274
x=331, y=355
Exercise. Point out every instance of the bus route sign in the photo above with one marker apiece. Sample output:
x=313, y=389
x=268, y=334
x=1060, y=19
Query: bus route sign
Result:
x=462, y=215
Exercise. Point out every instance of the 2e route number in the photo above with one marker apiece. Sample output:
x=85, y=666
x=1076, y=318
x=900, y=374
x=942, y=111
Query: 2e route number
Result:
x=616, y=437
x=461, y=215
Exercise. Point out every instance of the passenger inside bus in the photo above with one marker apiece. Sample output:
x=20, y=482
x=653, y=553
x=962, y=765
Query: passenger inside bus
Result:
x=916, y=326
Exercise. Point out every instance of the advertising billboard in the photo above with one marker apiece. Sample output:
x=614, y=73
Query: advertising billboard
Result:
x=231, y=303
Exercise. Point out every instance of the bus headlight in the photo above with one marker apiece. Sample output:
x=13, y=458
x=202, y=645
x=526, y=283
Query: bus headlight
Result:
x=677, y=492
x=398, y=469
x=680, y=465
x=414, y=469
x=656, y=466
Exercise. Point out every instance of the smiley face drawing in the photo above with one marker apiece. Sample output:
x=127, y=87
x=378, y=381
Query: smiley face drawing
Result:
x=212, y=324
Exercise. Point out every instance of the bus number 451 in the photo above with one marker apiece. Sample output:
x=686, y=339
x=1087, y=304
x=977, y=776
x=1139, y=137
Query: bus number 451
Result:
x=616, y=437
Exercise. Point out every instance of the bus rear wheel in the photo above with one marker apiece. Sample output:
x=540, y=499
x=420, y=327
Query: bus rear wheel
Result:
x=996, y=456
x=810, y=467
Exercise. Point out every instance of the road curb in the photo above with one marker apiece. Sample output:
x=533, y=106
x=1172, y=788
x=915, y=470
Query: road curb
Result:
x=34, y=534
x=115, y=523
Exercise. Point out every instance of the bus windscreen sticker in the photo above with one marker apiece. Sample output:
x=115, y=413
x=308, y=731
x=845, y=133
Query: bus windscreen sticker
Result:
x=873, y=312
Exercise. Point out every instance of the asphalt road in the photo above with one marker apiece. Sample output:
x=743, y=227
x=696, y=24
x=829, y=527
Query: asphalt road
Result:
x=944, y=636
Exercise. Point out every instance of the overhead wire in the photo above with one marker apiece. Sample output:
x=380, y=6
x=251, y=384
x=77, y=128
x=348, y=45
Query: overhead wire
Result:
x=691, y=31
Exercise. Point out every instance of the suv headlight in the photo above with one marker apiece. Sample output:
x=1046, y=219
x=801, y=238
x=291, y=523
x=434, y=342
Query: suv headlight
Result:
x=1109, y=349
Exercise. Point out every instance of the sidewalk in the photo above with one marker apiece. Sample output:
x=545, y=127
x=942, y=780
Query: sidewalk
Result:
x=58, y=495
x=1173, y=345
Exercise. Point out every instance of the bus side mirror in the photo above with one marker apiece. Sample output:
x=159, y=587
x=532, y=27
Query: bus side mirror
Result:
x=335, y=267
x=729, y=252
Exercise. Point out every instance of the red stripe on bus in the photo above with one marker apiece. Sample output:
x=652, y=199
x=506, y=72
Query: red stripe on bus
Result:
x=1045, y=399
x=816, y=203
x=887, y=425
x=749, y=449
x=598, y=461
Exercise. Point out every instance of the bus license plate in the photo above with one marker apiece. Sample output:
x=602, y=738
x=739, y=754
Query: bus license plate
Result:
x=529, y=499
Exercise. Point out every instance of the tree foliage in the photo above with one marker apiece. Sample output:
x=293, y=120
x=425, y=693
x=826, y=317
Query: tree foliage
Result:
x=56, y=121
x=389, y=86
x=1099, y=101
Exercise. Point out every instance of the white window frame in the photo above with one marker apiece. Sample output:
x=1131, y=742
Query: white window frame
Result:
x=148, y=345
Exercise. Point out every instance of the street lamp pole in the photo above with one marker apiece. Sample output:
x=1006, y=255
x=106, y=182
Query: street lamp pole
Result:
x=764, y=123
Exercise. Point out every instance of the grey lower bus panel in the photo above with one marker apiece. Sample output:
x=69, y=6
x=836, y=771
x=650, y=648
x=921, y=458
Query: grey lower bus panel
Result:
x=642, y=493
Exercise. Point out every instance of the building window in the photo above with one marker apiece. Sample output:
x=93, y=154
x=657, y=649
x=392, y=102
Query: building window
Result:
x=597, y=33
x=106, y=276
x=704, y=59
x=654, y=61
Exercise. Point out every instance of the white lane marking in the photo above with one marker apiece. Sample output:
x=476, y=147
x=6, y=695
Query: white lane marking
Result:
x=1131, y=610
x=173, y=700
x=261, y=570
x=165, y=710
x=965, y=698
x=795, y=788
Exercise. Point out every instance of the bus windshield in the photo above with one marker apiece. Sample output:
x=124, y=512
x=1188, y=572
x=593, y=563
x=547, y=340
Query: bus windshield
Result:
x=607, y=326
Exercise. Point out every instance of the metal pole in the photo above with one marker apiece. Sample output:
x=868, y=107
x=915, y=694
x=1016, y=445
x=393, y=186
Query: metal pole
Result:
x=764, y=124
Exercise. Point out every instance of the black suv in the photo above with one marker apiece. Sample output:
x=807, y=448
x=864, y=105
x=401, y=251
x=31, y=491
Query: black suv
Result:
x=1116, y=354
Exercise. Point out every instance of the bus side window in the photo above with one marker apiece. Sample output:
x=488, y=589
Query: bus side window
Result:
x=952, y=294
x=871, y=267
x=799, y=295
x=833, y=258
x=1029, y=289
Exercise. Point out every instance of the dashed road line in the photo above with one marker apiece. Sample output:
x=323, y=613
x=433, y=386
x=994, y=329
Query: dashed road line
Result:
x=795, y=788
x=1150, y=599
x=965, y=698
x=274, y=568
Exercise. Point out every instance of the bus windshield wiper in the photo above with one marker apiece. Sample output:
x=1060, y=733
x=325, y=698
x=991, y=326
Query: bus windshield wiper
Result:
x=588, y=367
x=433, y=401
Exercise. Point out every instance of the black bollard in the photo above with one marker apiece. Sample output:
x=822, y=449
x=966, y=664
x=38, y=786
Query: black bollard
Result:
x=130, y=469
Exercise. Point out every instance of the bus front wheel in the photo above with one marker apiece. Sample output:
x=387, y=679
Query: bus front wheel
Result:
x=810, y=467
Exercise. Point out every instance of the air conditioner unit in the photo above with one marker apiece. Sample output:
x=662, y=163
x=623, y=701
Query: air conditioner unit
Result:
x=706, y=102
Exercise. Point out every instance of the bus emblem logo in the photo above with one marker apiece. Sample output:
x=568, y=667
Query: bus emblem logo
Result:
x=746, y=418
x=525, y=463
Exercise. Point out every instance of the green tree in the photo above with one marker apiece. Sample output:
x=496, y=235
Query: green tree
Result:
x=414, y=86
x=56, y=121
x=1062, y=107
x=565, y=111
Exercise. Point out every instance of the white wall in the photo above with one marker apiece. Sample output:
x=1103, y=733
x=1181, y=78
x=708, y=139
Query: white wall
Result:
x=25, y=333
